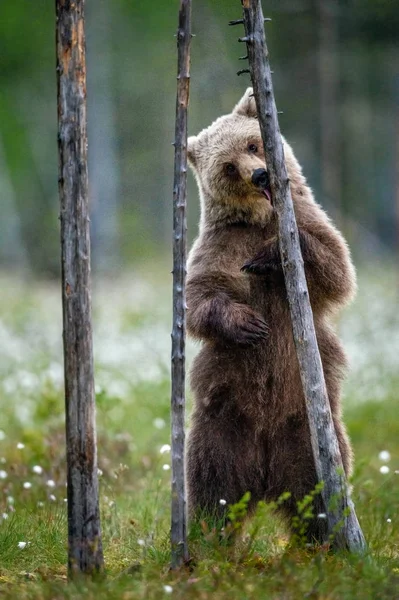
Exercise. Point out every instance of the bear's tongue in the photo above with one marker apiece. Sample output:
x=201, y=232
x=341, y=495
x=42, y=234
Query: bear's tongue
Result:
x=266, y=192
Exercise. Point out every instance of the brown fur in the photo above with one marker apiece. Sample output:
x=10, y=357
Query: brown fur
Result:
x=249, y=428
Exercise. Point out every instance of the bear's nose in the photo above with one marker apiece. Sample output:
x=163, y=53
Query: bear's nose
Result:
x=260, y=178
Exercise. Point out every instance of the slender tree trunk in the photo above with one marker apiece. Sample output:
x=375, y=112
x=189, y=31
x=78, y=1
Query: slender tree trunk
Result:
x=12, y=246
x=103, y=160
x=341, y=517
x=84, y=536
x=179, y=518
x=330, y=150
x=397, y=171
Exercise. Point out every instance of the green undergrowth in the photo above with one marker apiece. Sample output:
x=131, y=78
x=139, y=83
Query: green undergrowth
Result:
x=134, y=463
x=135, y=519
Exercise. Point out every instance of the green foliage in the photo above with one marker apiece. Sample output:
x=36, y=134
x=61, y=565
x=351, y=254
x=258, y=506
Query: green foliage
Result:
x=252, y=558
x=131, y=69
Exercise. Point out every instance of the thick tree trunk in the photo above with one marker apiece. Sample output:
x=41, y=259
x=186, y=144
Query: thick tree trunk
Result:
x=342, y=521
x=179, y=518
x=84, y=537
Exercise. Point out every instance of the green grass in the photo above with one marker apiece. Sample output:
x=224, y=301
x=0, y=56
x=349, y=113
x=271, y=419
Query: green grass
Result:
x=133, y=425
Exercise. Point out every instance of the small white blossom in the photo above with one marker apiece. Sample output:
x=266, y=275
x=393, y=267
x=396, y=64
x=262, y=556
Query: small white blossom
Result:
x=166, y=467
x=3, y=460
x=52, y=497
x=40, y=504
x=20, y=445
x=159, y=423
x=5, y=515
x=2, y=435
x=384, y=469
x=168, y=589
x=10, y=500
x=65, y=499
x=50, y=483
x=222, y=502
x=322, y=516
x=21, y=544
x=165, y=448
x=99, y=472
x=37, y=469
x=141, y=542
x=3, y=474
x=384, y=456
x=111, y=503
x=389, y=520
x=27, y=485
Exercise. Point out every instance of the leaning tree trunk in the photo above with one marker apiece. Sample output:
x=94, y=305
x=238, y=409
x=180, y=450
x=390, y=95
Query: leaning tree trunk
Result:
x=84, y=537
x=179, y=518
x=343, y=526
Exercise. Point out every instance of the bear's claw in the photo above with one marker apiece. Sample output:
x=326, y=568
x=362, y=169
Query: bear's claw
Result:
x=258, y=267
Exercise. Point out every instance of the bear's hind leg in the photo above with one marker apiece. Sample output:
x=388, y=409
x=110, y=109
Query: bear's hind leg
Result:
x=221, y=465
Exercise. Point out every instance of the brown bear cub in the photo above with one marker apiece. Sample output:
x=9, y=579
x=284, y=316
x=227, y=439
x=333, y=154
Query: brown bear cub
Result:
x=249, y=428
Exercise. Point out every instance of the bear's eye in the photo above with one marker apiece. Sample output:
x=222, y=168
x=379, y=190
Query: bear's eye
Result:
x=253, y=148
x=230, y=169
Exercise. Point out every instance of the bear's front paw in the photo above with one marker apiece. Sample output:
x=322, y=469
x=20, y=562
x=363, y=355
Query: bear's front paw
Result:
x=262, y=264
x=251, y=330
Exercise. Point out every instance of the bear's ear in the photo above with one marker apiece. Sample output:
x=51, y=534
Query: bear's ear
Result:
x=246, y=105
x=192, y=146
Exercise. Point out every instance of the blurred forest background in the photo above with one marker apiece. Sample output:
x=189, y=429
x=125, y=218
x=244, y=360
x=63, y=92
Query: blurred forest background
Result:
x=336, y=77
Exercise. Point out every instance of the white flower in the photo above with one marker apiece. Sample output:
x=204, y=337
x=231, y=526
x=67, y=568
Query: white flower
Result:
x=389, y=520
x=37, y=469
x=322, y=516
x=99, y=472
x=141, y=542
x=50, y=483
x=52, y=497
x=5, y=515
x=10, y=500
x=21, y=544
x=168, y=589
x=20, y=445
x=2, y=460
x=27, y=485
x=65, y=499
x=166, y=467
x=159, y=423
x=111, y=503
x=384, y=456
x=3, y=474
x=222, y=502
x=165, y=448
x=2, y=435
x=384, y=469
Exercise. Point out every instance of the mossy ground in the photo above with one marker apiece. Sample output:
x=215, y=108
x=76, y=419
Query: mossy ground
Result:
x=133, y=426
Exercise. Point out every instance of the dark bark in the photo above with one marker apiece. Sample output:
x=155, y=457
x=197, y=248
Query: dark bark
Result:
x=84, y=536
x=179, y=518
x=341, y=517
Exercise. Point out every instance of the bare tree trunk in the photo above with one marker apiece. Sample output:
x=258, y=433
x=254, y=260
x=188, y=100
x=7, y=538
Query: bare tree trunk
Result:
x=12, y=246
x=341, y=517
x=103, y=160
x=84, y=536
x=397, y=172
x=331, y=169
x=179, y=518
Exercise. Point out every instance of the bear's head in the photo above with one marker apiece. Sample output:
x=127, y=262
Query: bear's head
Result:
x=229, y=164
